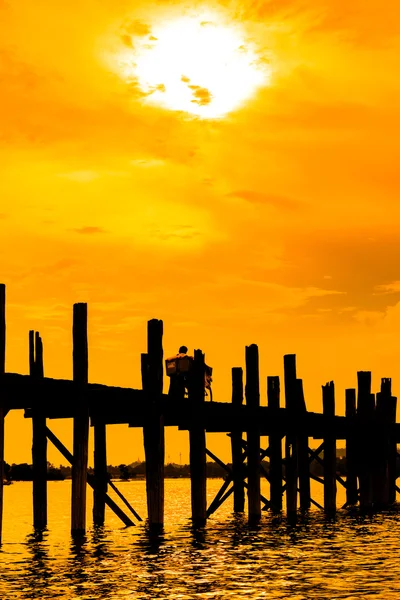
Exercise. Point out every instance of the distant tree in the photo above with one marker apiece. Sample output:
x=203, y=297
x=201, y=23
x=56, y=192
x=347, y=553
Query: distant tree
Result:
x=22, y=472
x=53, y=473
x=124, y=472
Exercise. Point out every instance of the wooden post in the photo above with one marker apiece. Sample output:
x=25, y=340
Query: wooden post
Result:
x=302, y=449
x=253, y=437
x=291, y=459
x=381, y=454
x=100, y=472
x=2, y=399
x=365, y=416
x=392, y=450
x=39, y=437
x=153, y=430
x=328, y=400
x=81, y=419
x=197, y=440
x=236, y=443
x=275, y=447
x=351, y=449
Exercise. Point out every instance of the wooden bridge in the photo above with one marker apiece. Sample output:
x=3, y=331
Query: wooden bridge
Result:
x=369, y=430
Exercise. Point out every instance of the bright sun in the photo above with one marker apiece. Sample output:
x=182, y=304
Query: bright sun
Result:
x=195, y=65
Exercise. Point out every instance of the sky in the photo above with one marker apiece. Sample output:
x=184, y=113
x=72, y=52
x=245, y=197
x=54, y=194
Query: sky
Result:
x=243, y=190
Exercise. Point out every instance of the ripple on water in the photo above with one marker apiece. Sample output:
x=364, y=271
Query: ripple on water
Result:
x=347, y=558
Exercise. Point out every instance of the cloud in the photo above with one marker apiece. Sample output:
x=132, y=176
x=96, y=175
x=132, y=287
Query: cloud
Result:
x=89, y=230
x=388, y=288
x=202, y=96
x=256, y=197
x=137, y=27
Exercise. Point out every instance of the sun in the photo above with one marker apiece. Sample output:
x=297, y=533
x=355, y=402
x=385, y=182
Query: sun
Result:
x=201, y=66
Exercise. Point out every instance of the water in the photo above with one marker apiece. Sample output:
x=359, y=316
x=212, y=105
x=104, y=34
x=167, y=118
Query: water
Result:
x=349, y=558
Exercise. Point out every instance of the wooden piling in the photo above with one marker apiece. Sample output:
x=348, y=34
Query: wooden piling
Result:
x=275, y=447
x=392, y=442
x=153, y=430
x=197, y=441
x=253, y=437
x=382, y=443
x=39, y=437
x=302, y=449
x=351, y=449
x=328, y=401
x=291, y=455
x=100, y=472
x=3, y=408
x=236, y=443
x=81, y=419
x=365, y=419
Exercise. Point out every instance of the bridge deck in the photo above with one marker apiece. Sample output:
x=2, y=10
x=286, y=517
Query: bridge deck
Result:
x=58, y=399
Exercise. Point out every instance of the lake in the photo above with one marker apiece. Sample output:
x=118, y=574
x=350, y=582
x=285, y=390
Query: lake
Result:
x=351, y=557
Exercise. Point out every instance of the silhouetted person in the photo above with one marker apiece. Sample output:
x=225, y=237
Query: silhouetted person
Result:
x=178, y=370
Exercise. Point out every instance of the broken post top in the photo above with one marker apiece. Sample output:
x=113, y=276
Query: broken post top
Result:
x=273, y=392
x=252, y=389
x=386, y=386
x=350, y=402
x=289, y=366
x=237, y=386
x=328, y=399
x=80, y=343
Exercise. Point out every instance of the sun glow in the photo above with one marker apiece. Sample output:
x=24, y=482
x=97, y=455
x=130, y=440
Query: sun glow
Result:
x=198, y=66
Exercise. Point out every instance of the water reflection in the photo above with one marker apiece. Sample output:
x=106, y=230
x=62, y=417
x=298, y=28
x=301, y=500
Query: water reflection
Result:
x=351, y=556
x=38, y=569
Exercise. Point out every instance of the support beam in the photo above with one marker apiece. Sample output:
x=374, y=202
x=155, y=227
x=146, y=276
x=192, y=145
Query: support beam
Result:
x=81, y=419
x=328, y=401
x=229, y=471
x=124, y=500
x=90, y=478
x=236, y=443
x=153, y=430
x=197, y=441
x=39, y=438
x=3, y=408
x=351, y=449
x=253, y=437
x=275, y=448
x=291, y=457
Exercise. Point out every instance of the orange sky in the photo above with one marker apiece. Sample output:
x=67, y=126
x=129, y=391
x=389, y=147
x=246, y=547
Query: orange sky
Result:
x=276, y=224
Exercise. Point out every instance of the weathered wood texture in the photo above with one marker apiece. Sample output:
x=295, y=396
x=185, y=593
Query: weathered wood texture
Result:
x=365, y=446
x=351, y=448
x=153, y=430
x=275, y=447
x=253, y=437
x=197, y=441
x=81, y=419
x=3, y=408
x=39, y=438
x=236, y=443
x=328, y=401
x=291, y=455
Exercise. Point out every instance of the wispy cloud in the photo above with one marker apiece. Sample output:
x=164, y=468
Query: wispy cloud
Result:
x=89, y=230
